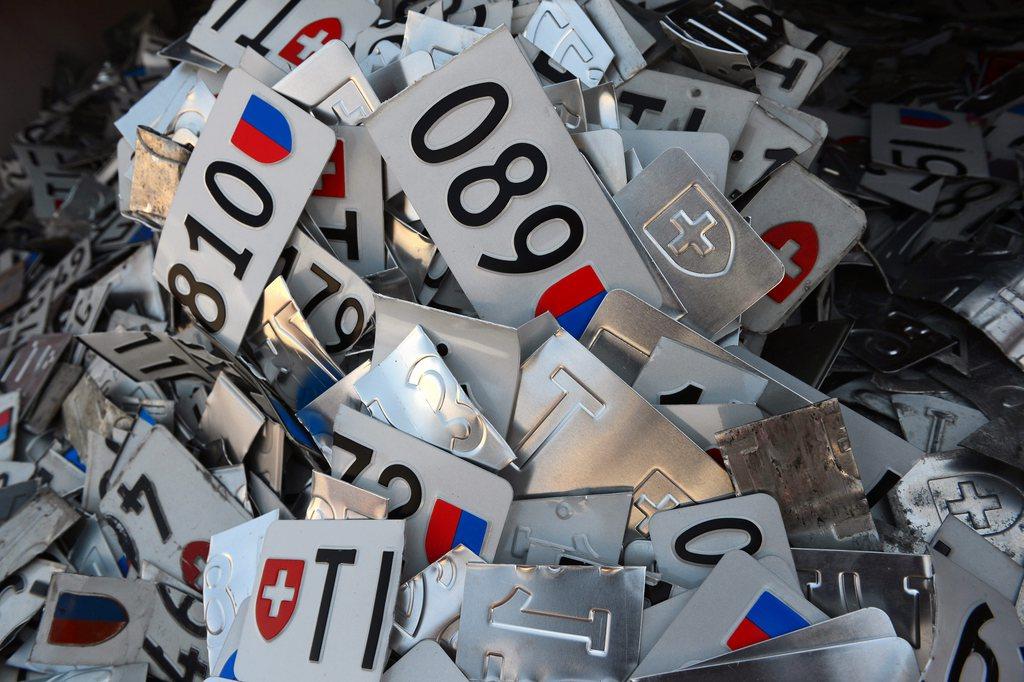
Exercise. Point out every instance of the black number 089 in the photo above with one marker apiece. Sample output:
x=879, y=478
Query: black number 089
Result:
x=239, y=260
x=526, y=260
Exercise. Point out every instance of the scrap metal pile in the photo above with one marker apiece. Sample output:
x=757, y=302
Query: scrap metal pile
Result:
x=520, y=340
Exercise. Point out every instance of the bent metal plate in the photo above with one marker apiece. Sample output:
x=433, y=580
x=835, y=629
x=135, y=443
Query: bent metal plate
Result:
x=507, y=214
x=236, y=206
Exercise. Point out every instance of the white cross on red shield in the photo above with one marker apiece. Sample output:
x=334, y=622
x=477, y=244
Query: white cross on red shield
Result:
x=277, y=595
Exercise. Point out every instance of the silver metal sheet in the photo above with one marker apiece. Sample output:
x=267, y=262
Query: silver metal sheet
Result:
x=131, y=672
x=842, y=582
x=984, y=493
x=421, y=483
x=548, y=622
x=564, y=31
x=710, y=151
x=625, y=330
x=164, y=507
x=174, y=646
x=567, y=98
x=145, y=356
x=578, y=428
x=682, y=375
x=481, y=355
x=712, y=259
x=441, y=40
x=516, y=268
x=286, y=34
x=54, y=469
x=391, y=79
x=288, y=352
x=876, y=450
x=48, y=404
x=702, y=422
x=579, y=528
x=31, y=529
x=688, y=542
x=157, y=166
x=32, y=366
x=977, y=630
x=334, y=499
x=935, y=424
x=889, y=658
x=805, y=460
x=228, y=577
x=603, y=149
x=413, y=390
x=704, y=627
x=811, y=227
x=233, y=479
x=628, y=59
x=91, y=553
x=347, y=203
x=653, y=100
x=428, y=604
x=766, y=144
x=331, y=83
x=14, y=497
x=857, y=626
x=86, y=309
x=426, y=661
x=99, y=461
x=231, y=416
x=132, y=285
x=789, y=75
x=658, y=617
x=600, y=105
x=24, y=594
x=15, y=472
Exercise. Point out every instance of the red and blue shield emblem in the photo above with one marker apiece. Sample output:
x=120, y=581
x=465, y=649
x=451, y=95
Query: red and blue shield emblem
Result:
x=86, y=619
x=262, y=133
x=768, y=617
x=5, y=424
x=451, y=526
x=573, y=300
x=923, y=118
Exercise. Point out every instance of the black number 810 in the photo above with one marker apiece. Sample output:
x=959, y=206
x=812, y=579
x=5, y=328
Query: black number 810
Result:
x=526, y=260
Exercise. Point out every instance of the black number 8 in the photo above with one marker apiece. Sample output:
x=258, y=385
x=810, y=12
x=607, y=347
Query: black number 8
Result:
x=195, y=289
x=507, y=189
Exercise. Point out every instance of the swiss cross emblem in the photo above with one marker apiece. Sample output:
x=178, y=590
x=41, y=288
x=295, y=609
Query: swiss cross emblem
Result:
x=693, y=235
x=277, y=595
x=311, y=38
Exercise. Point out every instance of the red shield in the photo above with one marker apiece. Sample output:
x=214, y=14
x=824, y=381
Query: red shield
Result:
x=806, y=239
x=277, y=595
x=310, y=38
x=193, y=558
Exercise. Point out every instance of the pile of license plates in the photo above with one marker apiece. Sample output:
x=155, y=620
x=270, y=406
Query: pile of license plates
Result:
x=520, y=340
